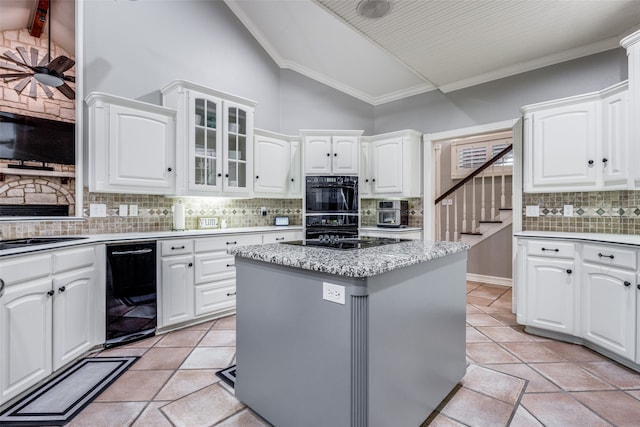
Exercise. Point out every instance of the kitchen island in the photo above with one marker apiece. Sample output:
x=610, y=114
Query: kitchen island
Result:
x=362, y=337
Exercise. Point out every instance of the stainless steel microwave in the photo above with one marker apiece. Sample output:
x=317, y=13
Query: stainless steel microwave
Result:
x=392, y=213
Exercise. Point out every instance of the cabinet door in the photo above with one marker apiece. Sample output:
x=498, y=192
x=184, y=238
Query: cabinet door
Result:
x=609, y=309
x=365, y=169
x=205, y=143
x=272, y=165
x=73, y=315
x=295, y=170
x=345, y=158
x=177, y=289
x=238, y=148
x=141, y=150
x=25, y=336
x=614, y=157
x=563, y=147
x=387, y=166
x=551, y=294
x=317, y=154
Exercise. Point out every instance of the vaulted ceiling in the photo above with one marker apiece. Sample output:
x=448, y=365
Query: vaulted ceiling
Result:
x=423, y=45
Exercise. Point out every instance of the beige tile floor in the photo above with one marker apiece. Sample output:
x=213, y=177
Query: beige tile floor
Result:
x=513, y=379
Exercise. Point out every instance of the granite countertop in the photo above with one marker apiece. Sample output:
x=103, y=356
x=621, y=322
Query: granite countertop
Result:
x=623, y=239
x=350, y=263
x=151, y=235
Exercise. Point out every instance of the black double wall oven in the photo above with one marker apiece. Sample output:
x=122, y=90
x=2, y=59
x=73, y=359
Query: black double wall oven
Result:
x=331, y=207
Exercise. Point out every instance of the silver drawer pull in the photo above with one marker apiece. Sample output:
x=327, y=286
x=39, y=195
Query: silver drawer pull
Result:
x=1, y=287
x=138, y=252
x=230, y=294
x=605, y=256
x=552, y=250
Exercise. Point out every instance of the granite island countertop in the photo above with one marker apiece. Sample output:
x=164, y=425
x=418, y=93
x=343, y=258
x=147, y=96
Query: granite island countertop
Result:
x=350, y=263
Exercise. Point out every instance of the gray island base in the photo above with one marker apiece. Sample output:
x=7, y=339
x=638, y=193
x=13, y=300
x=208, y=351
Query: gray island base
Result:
x=330, y=338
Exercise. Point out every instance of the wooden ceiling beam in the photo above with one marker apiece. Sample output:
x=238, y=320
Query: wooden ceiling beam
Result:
x=39, y=18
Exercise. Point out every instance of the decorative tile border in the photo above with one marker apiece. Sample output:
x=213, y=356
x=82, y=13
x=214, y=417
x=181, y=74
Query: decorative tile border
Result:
x=615, y=212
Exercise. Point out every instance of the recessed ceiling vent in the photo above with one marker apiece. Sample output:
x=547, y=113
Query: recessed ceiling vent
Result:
x=373, y=9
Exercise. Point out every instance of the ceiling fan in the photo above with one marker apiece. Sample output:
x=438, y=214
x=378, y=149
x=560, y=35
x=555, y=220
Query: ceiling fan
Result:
x=28, y=68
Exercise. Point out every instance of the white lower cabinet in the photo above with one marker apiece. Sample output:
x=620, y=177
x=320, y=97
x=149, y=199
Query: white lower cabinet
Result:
x=598, y=302
x=47, y=315
x=177, y=289
x=551, y=294
x=609, y=309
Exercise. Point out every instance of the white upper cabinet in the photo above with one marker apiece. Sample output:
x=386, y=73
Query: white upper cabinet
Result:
x=632, y=44
x=331, y=152
x=276, y=166
x=578, y=143
x=214, y=140
x=394, y=165
x=131, y=146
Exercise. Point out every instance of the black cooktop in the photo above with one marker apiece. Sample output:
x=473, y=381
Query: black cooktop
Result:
x=347, y=243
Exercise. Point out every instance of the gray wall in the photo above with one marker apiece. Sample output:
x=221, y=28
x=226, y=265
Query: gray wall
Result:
x=134, y=48
x=492, y=257
x=501, y=99
x=307, y=104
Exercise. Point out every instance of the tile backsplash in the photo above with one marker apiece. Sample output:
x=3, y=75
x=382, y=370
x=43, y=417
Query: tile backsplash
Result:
x=368, y=212
x=154, y=214
x=613, y=212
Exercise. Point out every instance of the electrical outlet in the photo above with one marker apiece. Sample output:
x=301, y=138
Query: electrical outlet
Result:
x=123, y=210
x=97, y=210
x=332, y=292
x=263, y=210
x=133, y=210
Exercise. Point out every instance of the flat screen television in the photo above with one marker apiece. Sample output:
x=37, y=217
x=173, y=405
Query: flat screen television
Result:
x=29, y=138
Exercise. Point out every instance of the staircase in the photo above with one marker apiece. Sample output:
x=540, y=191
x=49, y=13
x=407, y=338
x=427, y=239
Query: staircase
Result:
x=478, y=206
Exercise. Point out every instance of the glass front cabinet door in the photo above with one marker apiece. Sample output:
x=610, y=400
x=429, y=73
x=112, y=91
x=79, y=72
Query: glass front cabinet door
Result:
x=215, y=134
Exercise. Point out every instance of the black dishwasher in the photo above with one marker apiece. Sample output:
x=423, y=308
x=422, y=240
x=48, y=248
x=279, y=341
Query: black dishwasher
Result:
x=131, y=292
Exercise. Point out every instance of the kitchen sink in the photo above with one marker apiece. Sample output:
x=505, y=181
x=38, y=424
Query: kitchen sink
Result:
x=33, y=241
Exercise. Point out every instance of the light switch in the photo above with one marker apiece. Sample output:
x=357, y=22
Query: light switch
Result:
x=133, y=210
x=123, y=210
x=532, y=211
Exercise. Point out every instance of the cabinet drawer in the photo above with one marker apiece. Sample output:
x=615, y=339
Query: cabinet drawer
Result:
x=176, y=247
x=283, y=236
x=24, y=268
x=212, y=298
x=73, y=258
x=225, y=242
x=610, y=255
x=551, y=248
x=214, y=266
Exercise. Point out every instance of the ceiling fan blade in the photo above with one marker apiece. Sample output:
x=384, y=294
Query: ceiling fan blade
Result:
x=20, y=86
x=10, y=56
x=25, y=56
x=46, y=90
x=34, y=56
x=11, y=66
x=61, y=64
x=67, y=91
x=44, y=61
x=71, y=79
x=33, y=91
x=6, y=76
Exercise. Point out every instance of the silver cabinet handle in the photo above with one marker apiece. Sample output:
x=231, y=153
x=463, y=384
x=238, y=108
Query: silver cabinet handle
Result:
x=1, y=287
x=138, y=252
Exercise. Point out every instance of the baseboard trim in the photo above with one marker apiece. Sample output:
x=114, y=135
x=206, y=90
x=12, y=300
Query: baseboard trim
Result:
x=490, y=280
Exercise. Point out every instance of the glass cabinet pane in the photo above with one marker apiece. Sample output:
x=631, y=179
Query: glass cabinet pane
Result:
x=212, y=121
x=242, y=122
x=199, y=116
x=211, y=149
x=200, y=142
x=200, y=171
x=211, y=172
x=241, y=145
